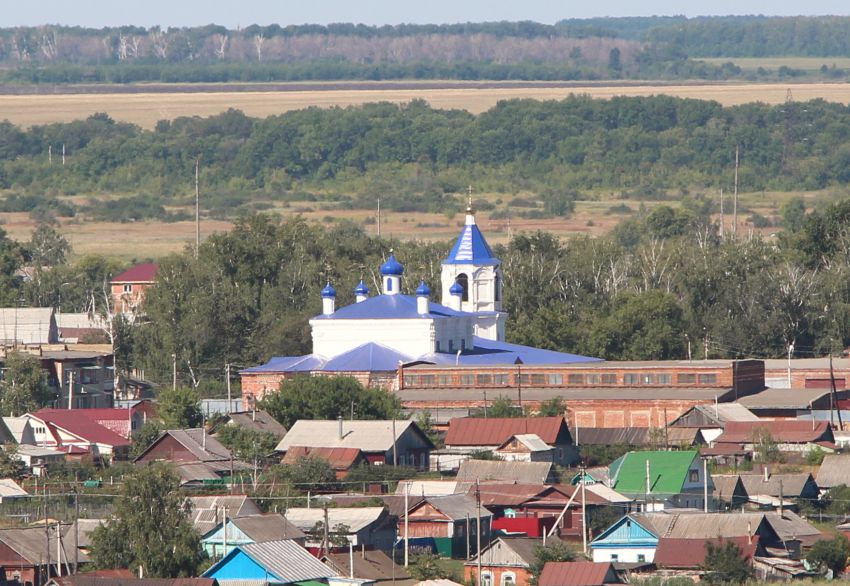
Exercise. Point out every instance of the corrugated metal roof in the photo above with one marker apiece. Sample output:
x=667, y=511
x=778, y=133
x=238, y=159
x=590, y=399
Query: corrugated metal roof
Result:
x=427, y=487
x=454, y=506
x=390, y=307
x=393, y=503
x=667, y=470
x=206, y=511
x=285, y=559
x=488, y=470
x=532, y=442
x=696, y=525
x=30, y=544
x=195, y=472
x=478, y=431
x=608, y=494
x=724, y=412
x=355, y=518
x=141, y=273
x=789, y=484
x=523, y=550
x=690, y=553
x=201, y=444
x=783, y=398
x=834, y=471
x=82, y=427
x=371, y=357
x=577, y=574
x=368, y=436
x=791, y=526
x=10, y=489
x=28, y=325
x=782, y=431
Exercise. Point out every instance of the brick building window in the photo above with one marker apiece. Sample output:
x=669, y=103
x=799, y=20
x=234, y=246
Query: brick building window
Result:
x=609, y=379
x=467, y=380
x=128, y=288
x=647, y=379
x=484, y=379
x=575, y=379
x=593, y=379
x=538, y=379
x=631, y=378
x=555, y=379
x=500, y=379
x=665, y=379
x=445, y=380
x=412, y=380
x=686, y=379
x=427, y=380
x=708, y=379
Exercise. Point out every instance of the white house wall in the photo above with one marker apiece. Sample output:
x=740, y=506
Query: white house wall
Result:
x=628, y=555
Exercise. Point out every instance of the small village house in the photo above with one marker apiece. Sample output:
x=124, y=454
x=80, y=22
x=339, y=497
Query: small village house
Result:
x=686, y=557
x=380, y=442
x=206, y=512
x=371, y=566
x=578, y=574
x=505, y=561
x=472, y=471
x=372, y=527
x=72, y=432
x=274, y=563
x=448, y=523
x=128, y=288
x=236, y=531
x=662, y=480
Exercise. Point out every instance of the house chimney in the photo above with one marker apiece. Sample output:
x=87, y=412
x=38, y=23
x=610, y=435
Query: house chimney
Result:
x=339, y=419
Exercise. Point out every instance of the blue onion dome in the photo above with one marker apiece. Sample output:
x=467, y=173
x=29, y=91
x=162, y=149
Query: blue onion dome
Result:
x=361, y=289
x=392, y=267
x=423, y=289
x=456, y=289
x=329, y=290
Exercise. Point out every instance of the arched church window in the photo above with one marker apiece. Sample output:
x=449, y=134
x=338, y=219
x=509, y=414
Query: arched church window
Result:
x=497, y=294
x=464, y=282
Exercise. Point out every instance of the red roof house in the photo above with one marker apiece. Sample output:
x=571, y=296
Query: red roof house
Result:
x=782, y=431
x=681, y=554
x=69, y=430
x=577, y=574
x=476, y=433
x=128, y=288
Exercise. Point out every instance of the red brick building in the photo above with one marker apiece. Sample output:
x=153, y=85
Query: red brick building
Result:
x=128, y=288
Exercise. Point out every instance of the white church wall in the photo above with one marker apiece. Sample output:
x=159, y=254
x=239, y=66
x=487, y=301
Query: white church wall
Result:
x=413, y=337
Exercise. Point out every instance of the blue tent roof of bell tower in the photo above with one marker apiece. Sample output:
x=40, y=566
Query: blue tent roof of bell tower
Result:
x=471, y=248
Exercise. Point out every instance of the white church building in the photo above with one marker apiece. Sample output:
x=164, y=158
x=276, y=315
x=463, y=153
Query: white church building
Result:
x=372, y=337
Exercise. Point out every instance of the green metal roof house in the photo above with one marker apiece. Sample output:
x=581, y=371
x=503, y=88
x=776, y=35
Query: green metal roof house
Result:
x=661, y=479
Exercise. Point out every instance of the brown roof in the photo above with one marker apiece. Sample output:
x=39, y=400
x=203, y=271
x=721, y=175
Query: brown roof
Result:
x=789, y=485
x=338, y=458
x=269, y=527
x=368, y=565
x=637, y=436
x=577, y=574
x=477, y=431
x=512, y=495
x=141, y=273
x=690, y=553
x=782, y=431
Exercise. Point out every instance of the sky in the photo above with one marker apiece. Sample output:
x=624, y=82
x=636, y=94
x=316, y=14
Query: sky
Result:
x=236, y=13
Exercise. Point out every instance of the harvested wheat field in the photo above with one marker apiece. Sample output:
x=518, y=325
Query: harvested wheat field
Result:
x=145, y=109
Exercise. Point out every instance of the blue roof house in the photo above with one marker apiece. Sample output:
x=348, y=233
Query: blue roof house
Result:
x=625, y=541
x=272, y=562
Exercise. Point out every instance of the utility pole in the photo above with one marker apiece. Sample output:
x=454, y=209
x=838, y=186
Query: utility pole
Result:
x=395, y=447
x=722, y=220
x=478, y=528
x=70, y=389
x=379, y=217
x=76, y=528
x=583, y=512
x=197, y=207
x=174, y=372
x=705, y=485
x=790, y=353
x=325, y=537
x=832, y=395
x=735, y=199
x=518, y=384
x=46, y=529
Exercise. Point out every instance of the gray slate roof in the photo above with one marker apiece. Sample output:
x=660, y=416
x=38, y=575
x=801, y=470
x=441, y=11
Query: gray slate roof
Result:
x=287, y=560
x=484, y=470
x=834, y=471
x=456, y=506
x=205, y=511
x=355, y=518
x=367, y=436
x=30, y=544
x=791, y=485
x=28, y=325
x=271, y=527
x=258, y=421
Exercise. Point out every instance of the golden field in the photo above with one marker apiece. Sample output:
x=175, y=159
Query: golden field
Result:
x=145, y=109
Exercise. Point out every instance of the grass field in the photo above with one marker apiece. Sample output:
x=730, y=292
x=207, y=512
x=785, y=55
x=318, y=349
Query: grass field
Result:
x=143, y=240
x=146, y=109
x=803, y=63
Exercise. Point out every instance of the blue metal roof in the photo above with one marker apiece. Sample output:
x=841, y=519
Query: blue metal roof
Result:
x=368, y=357
x=423, y=289
x=392, y=267
x=492, y=352
x=471, y=248
x=390, y=307
x=306, y=363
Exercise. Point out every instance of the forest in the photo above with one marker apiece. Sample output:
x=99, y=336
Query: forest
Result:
x=587, y=49
x=417, y=158
x=659, y=281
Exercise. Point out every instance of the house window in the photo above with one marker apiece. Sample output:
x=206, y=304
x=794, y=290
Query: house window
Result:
x=686, y=379
x=486, y=579
x=497, y=290
x=615, y=557
x=641, y=558
x=508, y=579
x=693, y=475
x=708, y=379
x=128, y=288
